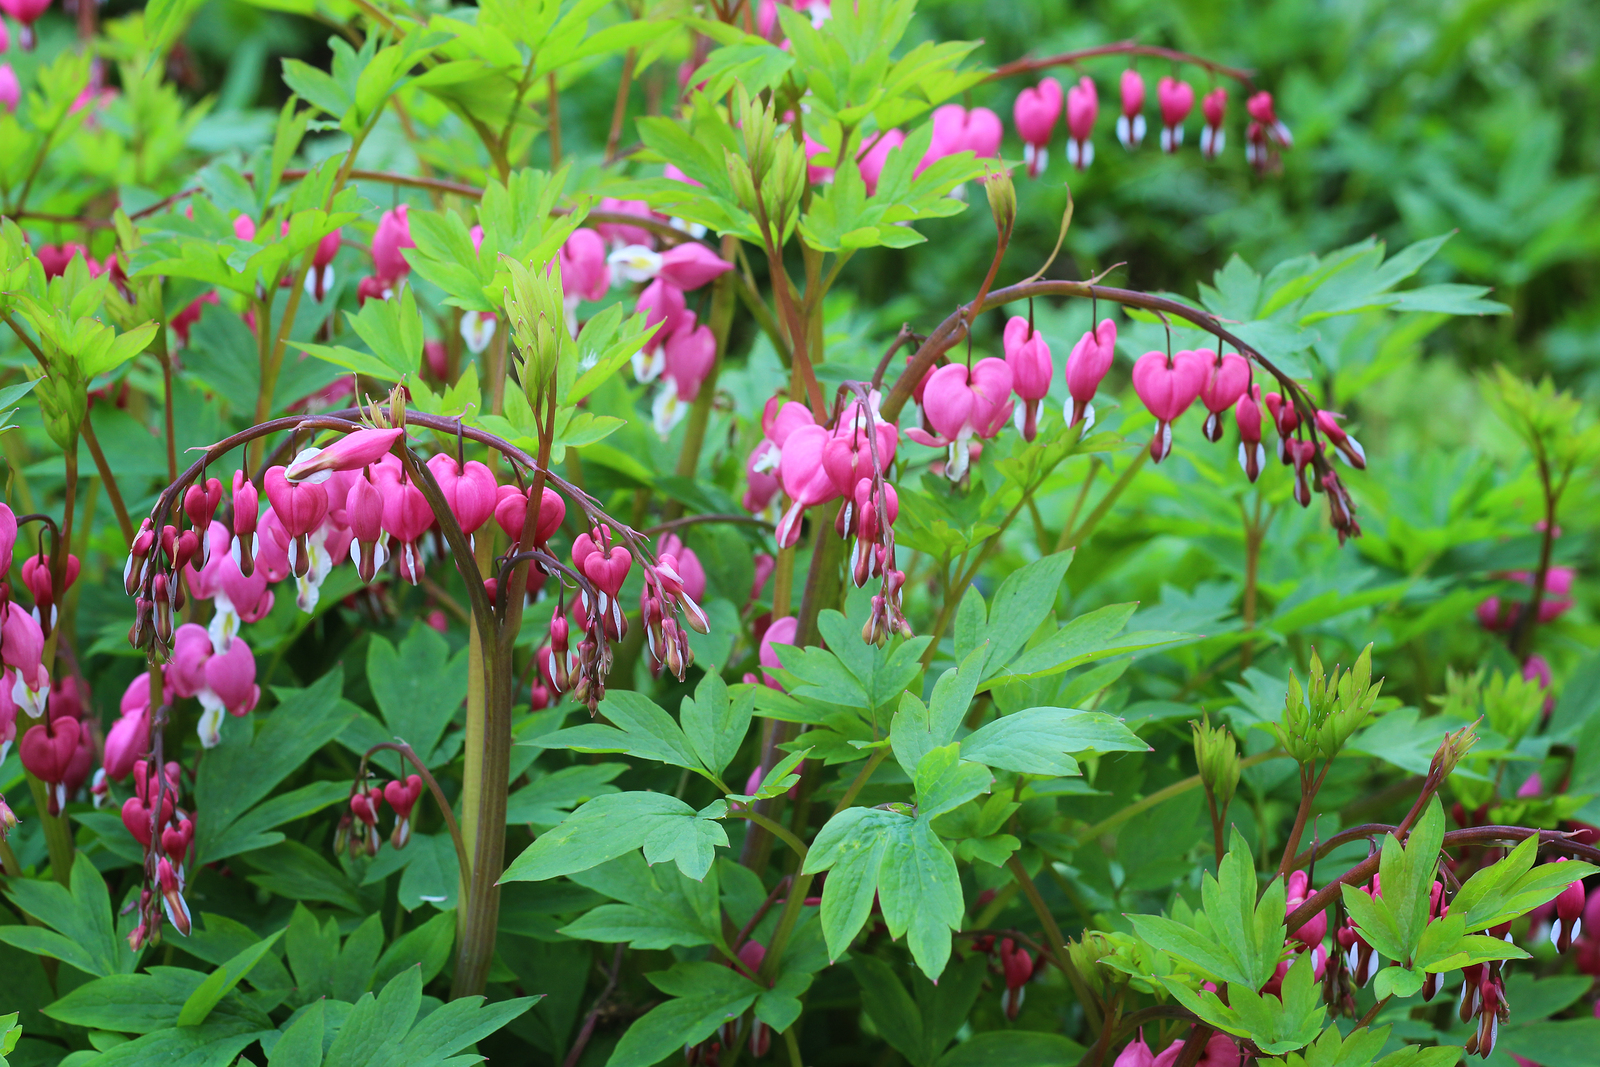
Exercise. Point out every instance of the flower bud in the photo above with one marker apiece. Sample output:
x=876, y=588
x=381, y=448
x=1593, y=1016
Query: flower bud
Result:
x=1002, y=195
x=1217, y=754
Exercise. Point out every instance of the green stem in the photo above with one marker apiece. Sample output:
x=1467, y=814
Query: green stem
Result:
x=700, y=415
x=1057, y=943
x=1178, y=788
x=802, y=882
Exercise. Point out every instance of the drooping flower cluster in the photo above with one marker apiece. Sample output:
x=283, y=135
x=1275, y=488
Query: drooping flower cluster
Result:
x=1038, y=108
x=358, y=829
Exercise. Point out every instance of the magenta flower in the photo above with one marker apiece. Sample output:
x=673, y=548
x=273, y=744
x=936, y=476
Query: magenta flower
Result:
x=690, y=265
x=876, y=156
x=406, y=516
x=47, y=751
x=584, y=273
x=1130, y=124
x=126, y=741
x=22, y=649
x=1083, y=107
x=403, y=797
x=780, y=632
x=804, y=477
x=1212, y=136
x=351, y=452
x=1226, y=382
x=10, y=88
x=1167, y=388
x=363, y=509
x=1176, y=99
x=471, y=492
x=621, y=233
x=388, y=240
x=662, y=305
x=1348, y=447
x=1087, y=366
x=955, y=129
x=1028, y=356
x=1136, y=1054
x=961, y=405
x=1036, y=113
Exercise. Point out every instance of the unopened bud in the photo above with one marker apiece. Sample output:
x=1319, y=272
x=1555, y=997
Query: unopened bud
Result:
x=1002, y=199
x=1217, y=754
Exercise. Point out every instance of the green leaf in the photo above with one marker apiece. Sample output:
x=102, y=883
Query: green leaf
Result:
x=707, y=995
x=608, y=826
x=242, y=771
x=550, y=797
x=1234, y=938
x=295, y=872
x=1396, y=981
x=222, y=980
x=302, y=1042
x=129, y=1003
x=1014, y=1048
x=1508, y=888
x=426, y=946
x=944, y=782
x=418, y=687
x=82, y=930
x=1039, y=740
x=642, y=729
x=1023, y=601
x=716, y=723
x=871, y=850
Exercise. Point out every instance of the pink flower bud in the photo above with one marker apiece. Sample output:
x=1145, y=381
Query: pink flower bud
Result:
x=584, y=273
x=1212, y=136
x=621, y=233
x=1136, y=1054
x=244, y=227
x=691, y=265
x=1130, y=124
x=690, y=352
x=392, y=235
x=10, y=88
x=1087, y=366
x=349, y=453
x=1083, y=107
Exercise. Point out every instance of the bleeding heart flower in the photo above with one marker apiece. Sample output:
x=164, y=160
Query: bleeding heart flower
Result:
x=780, y=632
x=804, y=477
x=1176, y=99
x=1213, y=138
x=47, y=751
x=961, y=404
x=1083, y=107
x=660, y=303
x=1247, y=414
x=391, y=237
x=22, y=648
x=403, y=797
x=1227, y=381
x=1036, y=113
x=1130, y=124
x=691, y=264
x=1087, y=366
x=1028, y=356
x=585, y=274
x=351, y=452
x=1167, y=389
